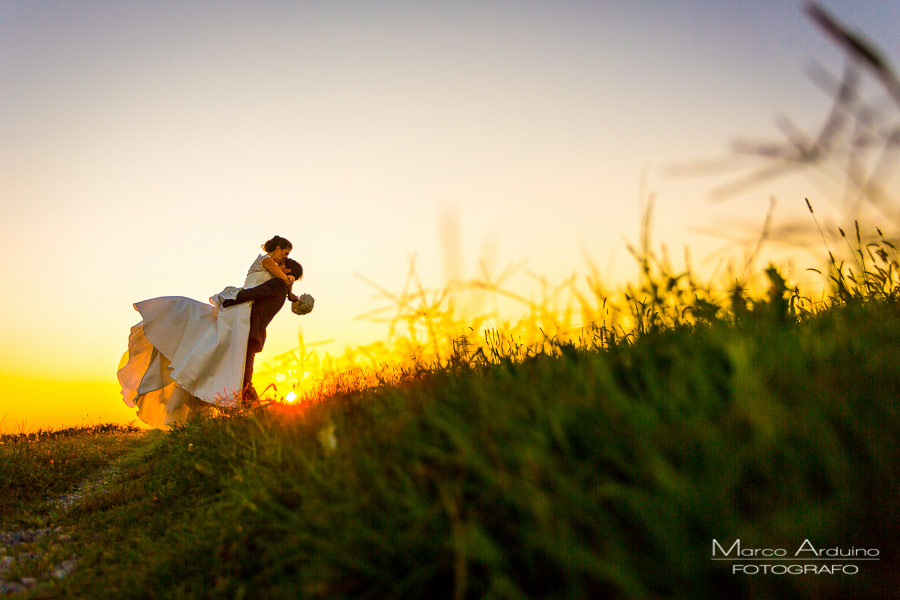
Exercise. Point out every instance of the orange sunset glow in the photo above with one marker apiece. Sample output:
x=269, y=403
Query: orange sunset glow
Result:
x=468, y=157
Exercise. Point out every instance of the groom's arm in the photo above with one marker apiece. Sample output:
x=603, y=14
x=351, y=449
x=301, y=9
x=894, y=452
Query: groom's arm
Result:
x=272, y=267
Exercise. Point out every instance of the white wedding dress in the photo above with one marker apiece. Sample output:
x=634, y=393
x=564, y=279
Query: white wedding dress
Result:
x=185, y=356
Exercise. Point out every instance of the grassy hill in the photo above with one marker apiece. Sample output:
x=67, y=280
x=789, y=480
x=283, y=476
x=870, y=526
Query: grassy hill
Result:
x=581, y=473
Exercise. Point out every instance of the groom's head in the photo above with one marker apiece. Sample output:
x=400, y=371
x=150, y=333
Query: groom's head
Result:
x=292, y=267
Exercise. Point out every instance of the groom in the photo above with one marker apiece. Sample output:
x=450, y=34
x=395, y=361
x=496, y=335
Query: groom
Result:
x=268, y=298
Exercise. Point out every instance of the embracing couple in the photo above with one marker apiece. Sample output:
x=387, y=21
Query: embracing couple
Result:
x=185, y=355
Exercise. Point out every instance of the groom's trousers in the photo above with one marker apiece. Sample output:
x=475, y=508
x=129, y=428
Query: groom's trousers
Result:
x=268, y=298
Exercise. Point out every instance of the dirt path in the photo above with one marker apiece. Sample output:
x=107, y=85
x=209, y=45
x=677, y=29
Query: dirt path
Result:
x=26, y=552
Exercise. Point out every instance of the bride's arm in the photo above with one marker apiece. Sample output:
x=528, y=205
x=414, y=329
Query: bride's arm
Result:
x=272, y=267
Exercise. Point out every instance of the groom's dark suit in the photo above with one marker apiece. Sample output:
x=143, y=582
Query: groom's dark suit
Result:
x=268, y=298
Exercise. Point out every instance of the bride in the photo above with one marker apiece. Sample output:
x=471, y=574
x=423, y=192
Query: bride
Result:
x=185, y=356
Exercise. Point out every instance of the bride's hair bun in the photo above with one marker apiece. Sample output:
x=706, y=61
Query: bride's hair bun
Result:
x=277, y=241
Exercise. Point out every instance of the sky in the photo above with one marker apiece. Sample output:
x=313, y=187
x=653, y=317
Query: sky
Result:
x=149, y=148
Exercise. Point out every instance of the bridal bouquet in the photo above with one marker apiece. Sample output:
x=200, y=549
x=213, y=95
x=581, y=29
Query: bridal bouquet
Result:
x=303, y=304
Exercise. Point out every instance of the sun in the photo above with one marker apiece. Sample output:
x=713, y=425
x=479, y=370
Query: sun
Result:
x=290, y=396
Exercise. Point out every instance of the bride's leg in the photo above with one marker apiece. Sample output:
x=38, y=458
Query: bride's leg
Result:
x=272, y=288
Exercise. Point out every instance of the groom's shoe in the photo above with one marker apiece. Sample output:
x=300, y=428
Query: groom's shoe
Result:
x=249, y=398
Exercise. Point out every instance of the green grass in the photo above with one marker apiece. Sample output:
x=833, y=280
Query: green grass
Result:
x=576, y=473
x=37, y=467
x=600, y=467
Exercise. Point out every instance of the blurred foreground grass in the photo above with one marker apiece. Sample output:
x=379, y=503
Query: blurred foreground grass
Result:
x=596, y=467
